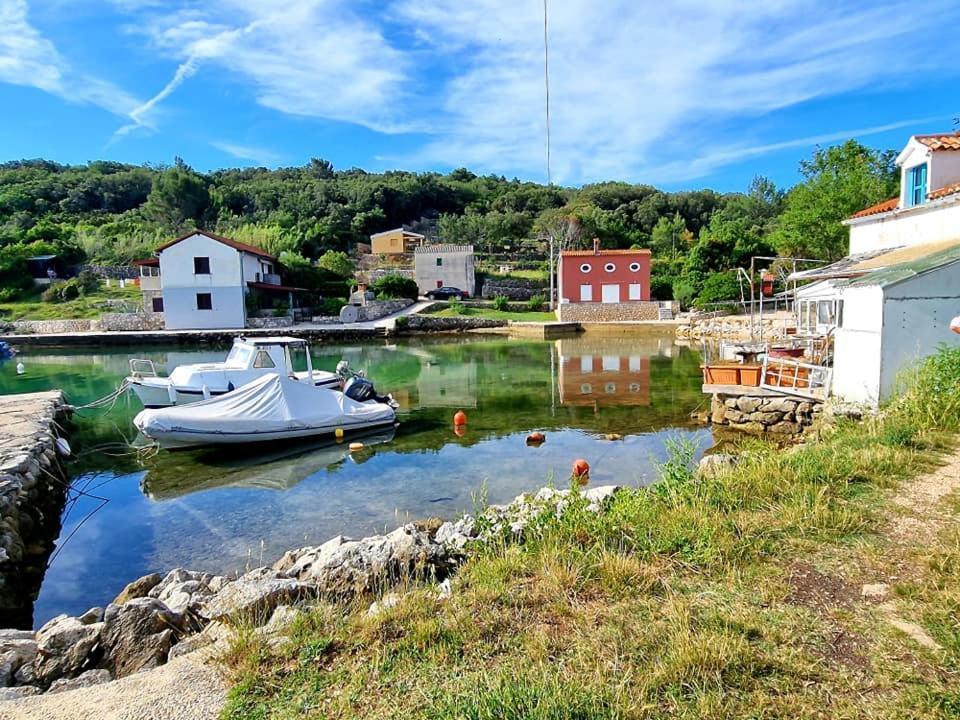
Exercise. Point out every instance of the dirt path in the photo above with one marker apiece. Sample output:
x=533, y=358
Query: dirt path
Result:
x=184, y=689
x=921, y=500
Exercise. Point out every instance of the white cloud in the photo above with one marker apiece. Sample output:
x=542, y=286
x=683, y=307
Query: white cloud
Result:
x=28, y=58
x=258, y=155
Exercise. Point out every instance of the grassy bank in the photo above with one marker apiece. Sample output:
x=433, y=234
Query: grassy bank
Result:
x=733, y=596
x=91, y=305
x=492, y=314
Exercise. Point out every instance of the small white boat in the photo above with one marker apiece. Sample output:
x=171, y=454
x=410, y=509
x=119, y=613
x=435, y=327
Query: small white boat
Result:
x=249, y=359
x=272, y=407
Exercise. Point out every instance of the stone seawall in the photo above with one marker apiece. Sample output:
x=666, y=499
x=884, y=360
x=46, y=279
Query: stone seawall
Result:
x=373, y=310
x=430, y=323
x=32, y=492
x=270, y=322
x=763, y=413
x=108, y=322
x=608, y=312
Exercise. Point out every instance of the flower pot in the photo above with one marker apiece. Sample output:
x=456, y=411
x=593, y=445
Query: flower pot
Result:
x=785, y=352
x=721, y=374
x=750, y=375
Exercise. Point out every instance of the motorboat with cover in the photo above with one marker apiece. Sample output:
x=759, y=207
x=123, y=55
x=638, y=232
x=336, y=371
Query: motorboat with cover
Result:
x=249, y=359
x=272, y=407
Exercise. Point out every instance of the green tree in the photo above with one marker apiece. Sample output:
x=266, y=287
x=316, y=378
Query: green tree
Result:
x=669, y=236
x=838, y=181
x=337, y=263
x=179, y=198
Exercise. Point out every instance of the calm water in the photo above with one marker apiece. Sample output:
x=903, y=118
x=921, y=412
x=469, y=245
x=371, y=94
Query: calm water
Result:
x=225, y=511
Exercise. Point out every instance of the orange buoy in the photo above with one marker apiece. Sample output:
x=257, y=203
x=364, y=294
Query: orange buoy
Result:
x=354, y=446
x=536, y=438
x=459, y=418
x=580, y=469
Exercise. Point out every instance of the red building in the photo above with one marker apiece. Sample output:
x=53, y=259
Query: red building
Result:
x=604, y=276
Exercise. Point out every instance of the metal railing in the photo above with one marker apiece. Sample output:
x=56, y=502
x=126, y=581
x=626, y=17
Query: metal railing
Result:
x=793, y=377
x=142, y=368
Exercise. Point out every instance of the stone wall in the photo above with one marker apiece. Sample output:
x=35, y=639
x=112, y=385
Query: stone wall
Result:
x=736, y=326
x=130, y=322
x=513, y=288
x=48, y=327
x=373, y=310
x=270, y=322
x=764, y=414
x=609, y=312
x=115, y=272
x=32, y=493
x=430, y=323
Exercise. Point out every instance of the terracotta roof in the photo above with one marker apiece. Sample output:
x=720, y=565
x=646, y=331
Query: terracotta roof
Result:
x=880, y=207
x=601, y=253
x=944, y=192
x=242, y=247
x=940, y=141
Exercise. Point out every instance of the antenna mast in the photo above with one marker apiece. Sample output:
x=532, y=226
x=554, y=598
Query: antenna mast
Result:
x=546, y=83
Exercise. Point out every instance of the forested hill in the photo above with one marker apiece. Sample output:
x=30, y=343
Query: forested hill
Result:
x=112, y=212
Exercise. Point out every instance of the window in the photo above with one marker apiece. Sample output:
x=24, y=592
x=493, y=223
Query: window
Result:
x=634, y=291
x=917, y=185
x=201, y=266
x=157, y=304
x=585, y=268
x=609, y=267
x=634, y=267
x=439, y=262
x=586, y=293
x=263, y=360
x=204, y=301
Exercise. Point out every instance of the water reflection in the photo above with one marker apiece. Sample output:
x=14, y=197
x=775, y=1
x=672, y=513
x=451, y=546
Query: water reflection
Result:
x=220, y=511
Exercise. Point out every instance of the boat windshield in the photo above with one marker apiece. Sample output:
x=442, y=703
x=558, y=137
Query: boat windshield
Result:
x=239, y=356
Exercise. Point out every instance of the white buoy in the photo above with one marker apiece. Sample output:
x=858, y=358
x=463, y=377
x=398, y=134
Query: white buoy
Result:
x=21, y=368
x=63, y=447
x=172, y=393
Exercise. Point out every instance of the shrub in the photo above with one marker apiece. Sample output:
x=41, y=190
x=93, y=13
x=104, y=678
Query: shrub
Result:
x=457, y=306
x=395, y=286
x=332, y=306
x=500, y=302
x=661, y=288
x=51, y=293
x=281, y=311
x=536, y=302
x=719, y=287
x=87, y=282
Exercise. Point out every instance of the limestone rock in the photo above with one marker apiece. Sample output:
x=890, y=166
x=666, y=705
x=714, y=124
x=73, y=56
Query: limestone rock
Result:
x=63, y=647
x=385, y=603
x=457, y=534
x=138, y=635
x=15, y=693
x=139, y=588
x=16, y=653
x=711, y=466
x=875, y=591
x=254, y=595
x=749, y=404
x=786, y=428
x=598, y=497
x=769, y=417
x=185, y=590
x=780, y=405
x=282, y=618
x=87, y=679
x=93, y=615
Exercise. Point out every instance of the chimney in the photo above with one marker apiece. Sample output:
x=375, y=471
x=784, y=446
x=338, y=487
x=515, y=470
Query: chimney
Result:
x=596, y=246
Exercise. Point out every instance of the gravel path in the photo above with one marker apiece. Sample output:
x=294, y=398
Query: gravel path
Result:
x=183, y=689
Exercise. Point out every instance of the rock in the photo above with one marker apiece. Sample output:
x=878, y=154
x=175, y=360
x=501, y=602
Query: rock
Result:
x=137, y=635
x=63, y=646
x=780, y=405
x=385, y=603
x=93, y=615
x=184, y=591
x=748, y=404
x=767, y=417
x=282, y=618
x=254, y=595
x=875, y=591
x=598, y=497
x=90, y=677
x=786, y=428
x=445, y=590
x=749, y=427
x=139, y=588
x=455, y=535
x=214, y=634
x=711, y=466
x=15, y=693
x=16, y=654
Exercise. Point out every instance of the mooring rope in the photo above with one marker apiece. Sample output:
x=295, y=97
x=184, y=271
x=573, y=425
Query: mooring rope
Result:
x=108, y=401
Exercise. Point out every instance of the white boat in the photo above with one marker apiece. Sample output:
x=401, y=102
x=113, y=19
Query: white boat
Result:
x=249, y=359
x=272, y=407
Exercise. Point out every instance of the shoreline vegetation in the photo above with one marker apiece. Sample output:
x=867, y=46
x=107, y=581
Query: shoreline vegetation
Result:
x=818, y=581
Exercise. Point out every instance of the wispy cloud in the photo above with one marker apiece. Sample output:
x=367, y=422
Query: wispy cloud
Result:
x=259, y=155
x=28, y=58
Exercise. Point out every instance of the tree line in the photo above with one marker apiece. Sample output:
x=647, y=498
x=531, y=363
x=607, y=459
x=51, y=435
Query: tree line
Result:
x=112, y=213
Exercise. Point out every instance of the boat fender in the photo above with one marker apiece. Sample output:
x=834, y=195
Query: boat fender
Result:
x=338, y=433
x=206, y=392
x=63, y=447
x=354, y=446
x=172, y=394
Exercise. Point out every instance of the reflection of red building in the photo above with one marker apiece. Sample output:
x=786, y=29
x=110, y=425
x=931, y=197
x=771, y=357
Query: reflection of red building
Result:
x=596, y=380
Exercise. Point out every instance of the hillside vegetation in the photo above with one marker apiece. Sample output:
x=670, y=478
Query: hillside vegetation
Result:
x=110, y=212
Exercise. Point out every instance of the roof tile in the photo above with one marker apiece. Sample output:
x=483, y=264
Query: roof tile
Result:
x=940, y=141
x=944, y=192
x=880, y=207
x=601, y=253
x=242, y=247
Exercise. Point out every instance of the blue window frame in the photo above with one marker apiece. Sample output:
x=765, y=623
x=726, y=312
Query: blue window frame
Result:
x=917, y=185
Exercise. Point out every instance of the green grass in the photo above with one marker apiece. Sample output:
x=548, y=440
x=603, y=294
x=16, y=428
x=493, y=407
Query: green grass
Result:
x=680, y=601
x=523, y=275
x=89, y=306
x=492, y=314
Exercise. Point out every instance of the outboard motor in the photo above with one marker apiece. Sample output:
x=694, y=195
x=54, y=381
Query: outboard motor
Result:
x=360, y=389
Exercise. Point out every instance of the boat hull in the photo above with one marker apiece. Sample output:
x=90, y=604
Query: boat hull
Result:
x=182, y=439
x=154, y=392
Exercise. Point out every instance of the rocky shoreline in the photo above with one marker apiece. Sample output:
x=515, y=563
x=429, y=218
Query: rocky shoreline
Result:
x=158, y=618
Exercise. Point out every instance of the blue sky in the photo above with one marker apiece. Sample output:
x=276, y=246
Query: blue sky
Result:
x=676, y=93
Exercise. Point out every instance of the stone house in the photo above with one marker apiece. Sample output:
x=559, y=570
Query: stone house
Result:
x=438, y=266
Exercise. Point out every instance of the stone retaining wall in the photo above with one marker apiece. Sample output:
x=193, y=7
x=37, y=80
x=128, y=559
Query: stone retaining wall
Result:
x=270, y=322
x=763, y=414
x=110, y=322
x=49, y=327
x=736, y=327
x=373, y=310
x=430, y=323
x=130, y=322
x=608, y=312
x=513, y=288
x=32, y=493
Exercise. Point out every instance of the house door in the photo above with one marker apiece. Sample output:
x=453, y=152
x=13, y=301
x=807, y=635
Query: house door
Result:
x=586, y=293
x=157, y=304
x=611, y=293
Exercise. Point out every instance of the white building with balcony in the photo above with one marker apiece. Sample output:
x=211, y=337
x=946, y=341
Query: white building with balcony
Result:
x=889, y=303
x=204, y=280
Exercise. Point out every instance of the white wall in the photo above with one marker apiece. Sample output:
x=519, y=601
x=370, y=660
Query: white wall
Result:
x=181, y=285
x=857, y=346
x=912, y=226
x=916, y=320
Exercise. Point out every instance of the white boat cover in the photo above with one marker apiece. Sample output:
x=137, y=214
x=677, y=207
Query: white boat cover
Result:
x=270, y=407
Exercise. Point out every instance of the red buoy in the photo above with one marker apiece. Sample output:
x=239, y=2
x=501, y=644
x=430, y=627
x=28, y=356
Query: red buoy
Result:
x=580, y=469
x=459, y=418
x=536, y=438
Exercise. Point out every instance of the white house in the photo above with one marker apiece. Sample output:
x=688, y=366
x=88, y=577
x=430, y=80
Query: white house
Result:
x=205, y=279
x=890, y=301
x=437, y=266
